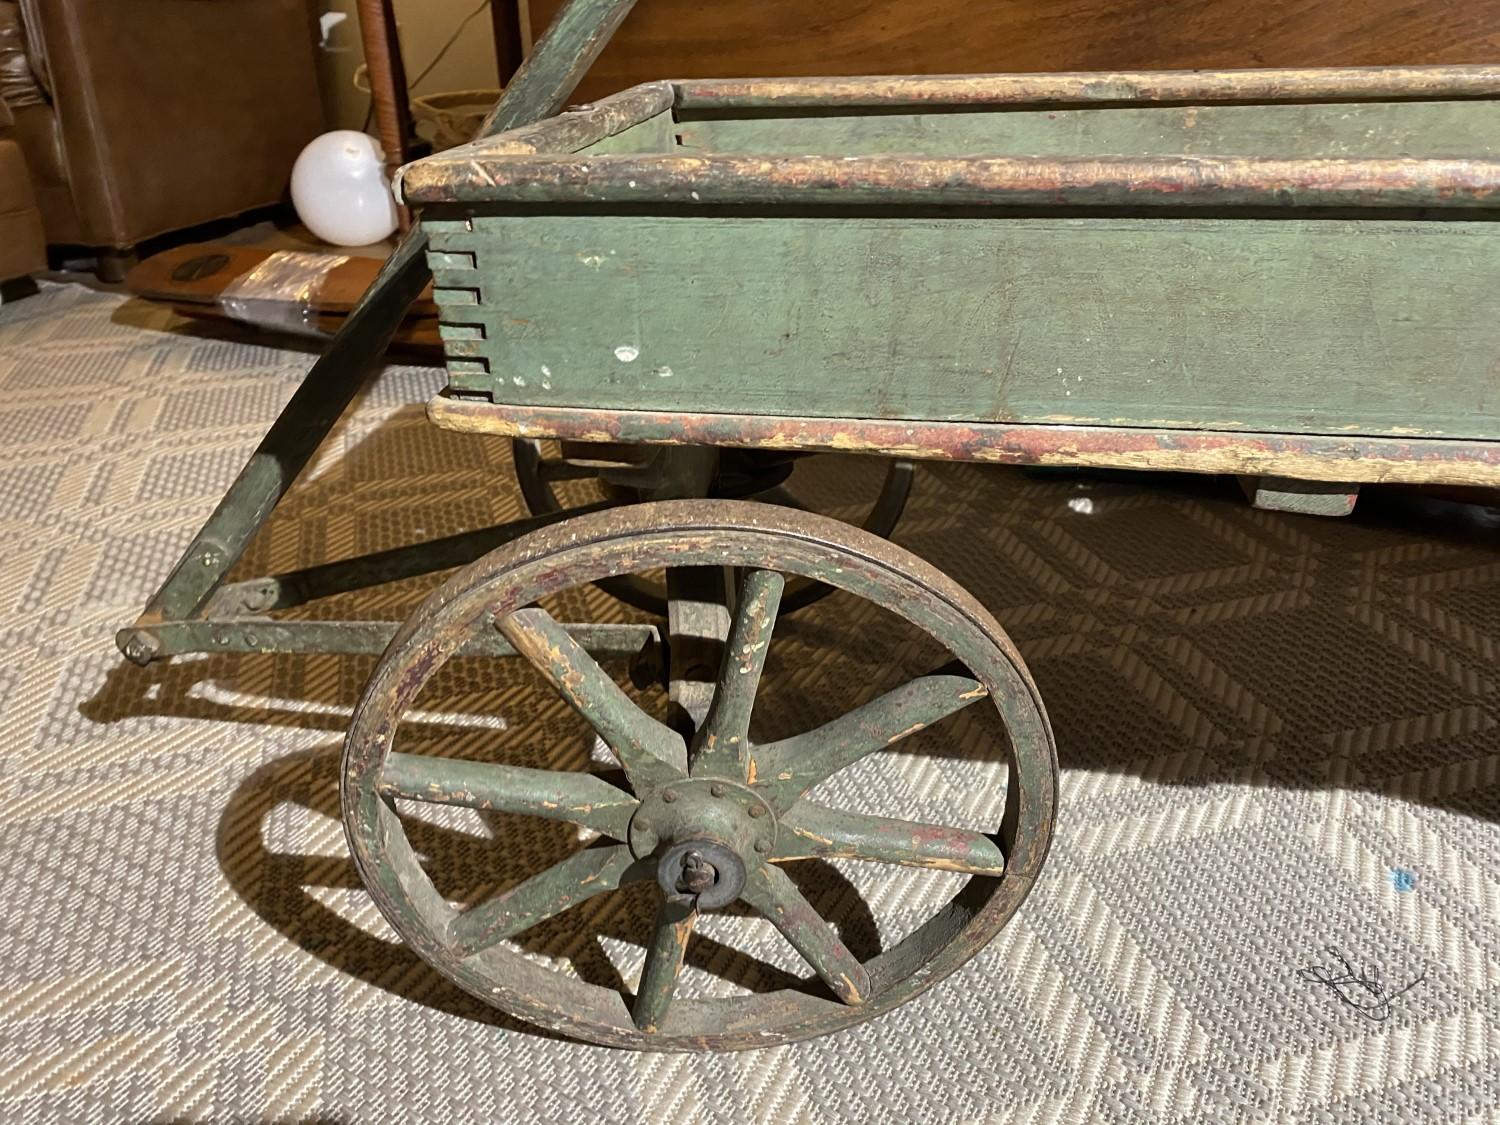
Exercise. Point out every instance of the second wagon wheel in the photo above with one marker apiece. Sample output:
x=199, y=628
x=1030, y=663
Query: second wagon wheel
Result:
x=713, y=818
x=742, y=474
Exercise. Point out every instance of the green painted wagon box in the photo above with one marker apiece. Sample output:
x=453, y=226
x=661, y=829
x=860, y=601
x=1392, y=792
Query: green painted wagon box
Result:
x=1279, y=252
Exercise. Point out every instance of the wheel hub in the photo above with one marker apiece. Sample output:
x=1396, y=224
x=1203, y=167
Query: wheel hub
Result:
x=708, y=836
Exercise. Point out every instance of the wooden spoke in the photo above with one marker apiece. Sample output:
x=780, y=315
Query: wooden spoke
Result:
x=721, y=744
x=813, y=831
x=787, y=769
x=579, y=798
x=697, y=624
x=674, y=925
x=771, y=891
x=576, y=879
x=645, y=747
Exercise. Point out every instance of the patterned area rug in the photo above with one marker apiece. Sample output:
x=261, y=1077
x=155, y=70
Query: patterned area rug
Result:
x=1274, y=893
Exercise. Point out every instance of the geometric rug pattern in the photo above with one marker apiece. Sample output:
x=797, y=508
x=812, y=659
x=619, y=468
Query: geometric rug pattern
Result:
x=1273, y=893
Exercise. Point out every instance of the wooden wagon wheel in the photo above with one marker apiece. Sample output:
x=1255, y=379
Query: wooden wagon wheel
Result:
x=710, y=817
x=536, y=474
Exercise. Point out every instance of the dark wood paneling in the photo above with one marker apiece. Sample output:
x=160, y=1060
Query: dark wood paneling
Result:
x=735, y=38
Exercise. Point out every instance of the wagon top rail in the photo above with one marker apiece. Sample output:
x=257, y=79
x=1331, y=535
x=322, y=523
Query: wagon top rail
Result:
x=972, y=182
x=575, y=158
x=1121, y=87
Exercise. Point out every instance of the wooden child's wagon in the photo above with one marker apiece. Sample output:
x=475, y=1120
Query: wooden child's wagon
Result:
x=1283, y=275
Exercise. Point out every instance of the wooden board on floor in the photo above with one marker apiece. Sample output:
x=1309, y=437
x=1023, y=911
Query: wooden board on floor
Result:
x=308, y=294
x=201, y=274
x=417, y=335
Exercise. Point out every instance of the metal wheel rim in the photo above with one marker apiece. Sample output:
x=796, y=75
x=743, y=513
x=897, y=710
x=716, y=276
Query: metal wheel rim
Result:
x=681, y=533
x=645, y=595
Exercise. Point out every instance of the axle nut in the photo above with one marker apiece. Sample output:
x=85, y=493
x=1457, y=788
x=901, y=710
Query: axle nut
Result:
x=697, y=874
x=704, y=868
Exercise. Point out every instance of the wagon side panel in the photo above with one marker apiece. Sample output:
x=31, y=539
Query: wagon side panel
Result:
x=1296, y=325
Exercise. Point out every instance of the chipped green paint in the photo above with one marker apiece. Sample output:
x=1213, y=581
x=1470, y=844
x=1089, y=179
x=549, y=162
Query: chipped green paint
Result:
x=674, y=925
x=647, y=749
x=785, y=770
x=1303, y=498
x=1299, y=129
x=578, y=798
x=940, y=267
x=772, y=892
x=1288, y=252
x=722, y=745
x=1306, y=325
x=811, y=831
x=144, y=643
x=577, y=879
x=557, y=63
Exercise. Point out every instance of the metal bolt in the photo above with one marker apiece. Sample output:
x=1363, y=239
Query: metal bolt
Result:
x=259, y=598
x=757, y=811
x=698, y=875
x=645, y=835
x=763, y=845
x=669, y=795
x=142, y=648
x=718, y=789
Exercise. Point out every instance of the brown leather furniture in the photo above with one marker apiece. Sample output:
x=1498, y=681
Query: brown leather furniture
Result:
x=23, y=250
x=140, y=117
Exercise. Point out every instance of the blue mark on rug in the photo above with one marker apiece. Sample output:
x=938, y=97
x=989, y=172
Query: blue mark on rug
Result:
x=1402, y=879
